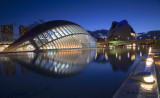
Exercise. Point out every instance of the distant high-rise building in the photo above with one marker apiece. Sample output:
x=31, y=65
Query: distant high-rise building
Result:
x=22, y=30
x=6, y=34
x=7, y=29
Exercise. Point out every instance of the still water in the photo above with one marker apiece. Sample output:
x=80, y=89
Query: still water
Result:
x=90, y=73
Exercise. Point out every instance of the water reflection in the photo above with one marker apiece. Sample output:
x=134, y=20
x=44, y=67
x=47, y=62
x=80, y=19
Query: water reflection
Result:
x=55, y=63
x=8, y=67
x=64, y=63
x=121, y=59
x=72, y=73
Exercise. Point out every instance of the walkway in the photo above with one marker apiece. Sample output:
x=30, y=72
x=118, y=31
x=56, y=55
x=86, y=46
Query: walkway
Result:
x=136, y=88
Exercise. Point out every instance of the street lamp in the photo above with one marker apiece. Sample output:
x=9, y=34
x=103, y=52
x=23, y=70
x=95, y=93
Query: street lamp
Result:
x=154, y=37
x=116, y=38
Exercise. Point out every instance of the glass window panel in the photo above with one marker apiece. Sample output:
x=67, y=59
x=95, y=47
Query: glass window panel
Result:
x=73, y=29
x=51, y=33
x=37, y=41
x=56, y=33
x=67, y=30
x=43, y=40
x=47, y=36
x=60, y=31
x=70, y=29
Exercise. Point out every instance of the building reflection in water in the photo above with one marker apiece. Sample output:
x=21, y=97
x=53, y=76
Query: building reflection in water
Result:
x=8, y=67
x=60, y=63
x=121, y=59
x=64, y=63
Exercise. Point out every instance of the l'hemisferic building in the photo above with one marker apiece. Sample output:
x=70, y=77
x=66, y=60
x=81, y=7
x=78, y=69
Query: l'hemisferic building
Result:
x=58, y=34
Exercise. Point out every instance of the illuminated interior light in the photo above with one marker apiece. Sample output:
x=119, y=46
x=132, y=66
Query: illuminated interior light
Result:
x=148, y=64
x=148, y=79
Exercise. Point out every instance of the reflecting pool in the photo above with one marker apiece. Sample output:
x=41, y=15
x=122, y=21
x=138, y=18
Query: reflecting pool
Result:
x=79, y=73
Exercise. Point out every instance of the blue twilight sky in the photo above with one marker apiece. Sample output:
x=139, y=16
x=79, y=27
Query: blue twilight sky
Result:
x=142, y=15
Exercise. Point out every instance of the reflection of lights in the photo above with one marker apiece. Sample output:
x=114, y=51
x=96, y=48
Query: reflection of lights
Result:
x=140, y=54
x=133, y=57
x=148, y=87
x=128, y=55
x=157, y=63
x=128, y=47
x=150, y=50
x=148, y=79
x=88, y=60
x=119, y=57
x=116, y=55
x=149, y=59
x=134, y=48
x=96, y=56
x=106, y=56
x=110, y=47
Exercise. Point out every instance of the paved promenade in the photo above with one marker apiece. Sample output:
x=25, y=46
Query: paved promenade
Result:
x=156, y=55
x=137, y=87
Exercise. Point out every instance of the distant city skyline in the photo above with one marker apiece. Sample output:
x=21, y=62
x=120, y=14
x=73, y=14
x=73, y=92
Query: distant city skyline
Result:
x=142, y=15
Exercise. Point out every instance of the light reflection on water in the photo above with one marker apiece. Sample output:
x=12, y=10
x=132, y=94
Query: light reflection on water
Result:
x=76, y=73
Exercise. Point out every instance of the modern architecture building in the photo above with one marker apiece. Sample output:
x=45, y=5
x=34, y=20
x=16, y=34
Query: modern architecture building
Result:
x=58, y=34
x=121, y=31
x=22, y=30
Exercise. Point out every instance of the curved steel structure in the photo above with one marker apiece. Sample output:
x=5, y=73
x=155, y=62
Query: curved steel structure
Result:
x=59, y=34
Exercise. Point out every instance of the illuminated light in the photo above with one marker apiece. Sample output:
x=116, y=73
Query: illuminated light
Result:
x=149, y=59
x=88, y=60
x=133, y=34
x=148, y=79
x=128, y=55
x=96, y=55
x=157, y=63
x=134, y=48
x=134, y=45
x=150, y=50
x=119, y=57
x=110, y=47
x=138, y=48
x=106, y=56
x=147, y=87
x=148, y=64
x=140, y=54
x=55, y=69
x=116, y=55
x=133, y=57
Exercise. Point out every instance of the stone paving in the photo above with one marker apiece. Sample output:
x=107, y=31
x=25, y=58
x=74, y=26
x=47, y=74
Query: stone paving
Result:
x=156, y=55
x=132, y=88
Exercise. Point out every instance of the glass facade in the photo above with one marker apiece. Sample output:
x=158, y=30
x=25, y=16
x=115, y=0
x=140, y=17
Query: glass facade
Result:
x=64, y=36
